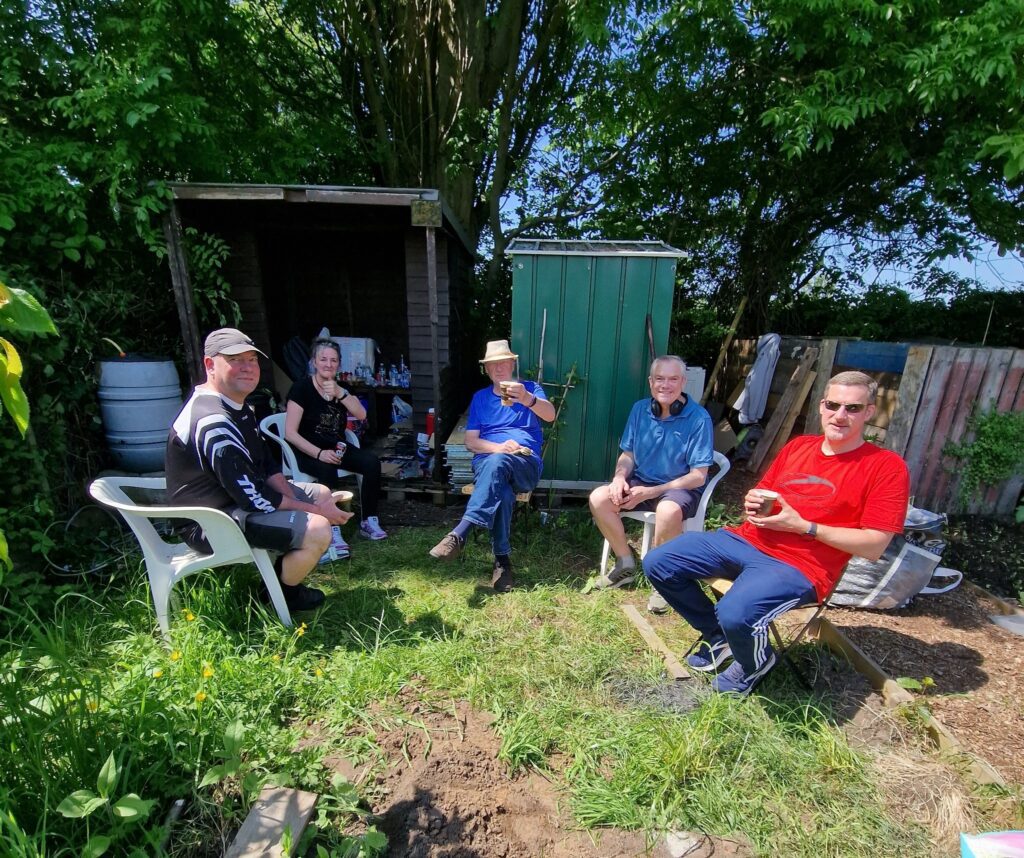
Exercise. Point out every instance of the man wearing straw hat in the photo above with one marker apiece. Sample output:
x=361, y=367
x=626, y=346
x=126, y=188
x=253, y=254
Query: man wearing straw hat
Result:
x=504, y=433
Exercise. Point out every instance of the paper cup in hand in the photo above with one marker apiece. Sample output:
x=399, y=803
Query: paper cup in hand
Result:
x=768, y=499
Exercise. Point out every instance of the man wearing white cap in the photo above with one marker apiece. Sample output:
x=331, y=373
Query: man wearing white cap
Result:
x=504, y=432
x=216, y=458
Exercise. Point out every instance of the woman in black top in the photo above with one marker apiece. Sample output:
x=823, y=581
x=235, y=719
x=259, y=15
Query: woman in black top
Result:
x=315, y=422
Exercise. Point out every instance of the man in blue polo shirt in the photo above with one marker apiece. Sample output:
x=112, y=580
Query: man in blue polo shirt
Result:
x=504, y=431
x=663, y=468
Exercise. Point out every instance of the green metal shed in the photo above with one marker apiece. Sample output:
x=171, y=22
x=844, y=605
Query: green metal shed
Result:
x=586, y=304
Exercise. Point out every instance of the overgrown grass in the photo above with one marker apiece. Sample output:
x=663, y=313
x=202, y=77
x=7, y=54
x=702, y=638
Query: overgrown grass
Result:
x=89, y=678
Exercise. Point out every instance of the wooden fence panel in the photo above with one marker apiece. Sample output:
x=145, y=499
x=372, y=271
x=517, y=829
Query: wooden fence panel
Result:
x=976, y=362
x=927, y=413
x=1007, y=500
x=988, y=398
x=915, y=371
x=826, y=360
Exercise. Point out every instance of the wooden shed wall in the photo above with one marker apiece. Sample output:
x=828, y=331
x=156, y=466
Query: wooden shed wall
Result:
x=418, y=302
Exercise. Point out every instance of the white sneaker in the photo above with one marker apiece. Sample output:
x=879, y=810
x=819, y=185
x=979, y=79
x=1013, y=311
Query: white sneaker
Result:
x=657, y=604
x=338, y=549
x=371, y=529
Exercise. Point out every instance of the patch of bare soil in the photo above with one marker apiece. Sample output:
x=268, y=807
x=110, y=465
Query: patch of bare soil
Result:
x=978, y=668
x=444, y=792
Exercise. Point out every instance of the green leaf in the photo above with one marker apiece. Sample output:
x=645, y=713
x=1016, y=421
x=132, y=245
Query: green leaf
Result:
x=233, y=736
x=21, y=312
x=5, y=554
x=213, y=776
x=6, y=222
x=909, y=683
x=11, y=393
x=108, y=777
x=132, y=808
x=80, y=803
x=375, y=839
x=96, y=846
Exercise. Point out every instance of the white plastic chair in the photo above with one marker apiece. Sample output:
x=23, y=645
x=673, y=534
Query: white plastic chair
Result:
x=695, y=523
x=167, y=563
x=273, y=427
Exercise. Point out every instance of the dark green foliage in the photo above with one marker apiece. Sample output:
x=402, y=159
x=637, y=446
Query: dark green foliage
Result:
x=994, y=452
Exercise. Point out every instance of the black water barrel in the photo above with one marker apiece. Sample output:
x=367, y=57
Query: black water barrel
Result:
x=140, y=395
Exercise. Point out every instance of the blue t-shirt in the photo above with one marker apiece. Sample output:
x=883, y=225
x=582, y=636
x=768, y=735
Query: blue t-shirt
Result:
x=664, y=450
x=496, y=422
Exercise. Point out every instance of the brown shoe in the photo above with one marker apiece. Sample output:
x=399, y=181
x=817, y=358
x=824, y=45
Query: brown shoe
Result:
x=501, y=577
x=448, y=548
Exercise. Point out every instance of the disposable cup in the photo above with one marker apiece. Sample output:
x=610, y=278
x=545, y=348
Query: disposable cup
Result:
x=768, y=499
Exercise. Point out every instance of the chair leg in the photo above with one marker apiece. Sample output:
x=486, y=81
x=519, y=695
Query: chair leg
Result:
x=160, y=588
x=262, y=561
x=645, y=545
x=783, y=651
x=604, y=558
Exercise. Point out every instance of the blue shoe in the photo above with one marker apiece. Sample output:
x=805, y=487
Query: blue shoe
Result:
x=734, y=680
x=710, y=654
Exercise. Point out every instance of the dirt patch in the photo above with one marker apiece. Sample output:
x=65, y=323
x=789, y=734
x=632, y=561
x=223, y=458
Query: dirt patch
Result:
x=444, y=792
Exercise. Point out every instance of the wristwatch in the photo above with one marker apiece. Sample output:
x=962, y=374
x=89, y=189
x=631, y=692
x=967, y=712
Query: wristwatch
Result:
x=812, y=530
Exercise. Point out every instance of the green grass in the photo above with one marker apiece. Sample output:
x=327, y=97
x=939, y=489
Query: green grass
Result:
x=89, y=678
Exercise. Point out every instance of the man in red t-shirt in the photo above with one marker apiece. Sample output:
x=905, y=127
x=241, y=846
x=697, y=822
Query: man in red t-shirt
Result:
x=838, y=496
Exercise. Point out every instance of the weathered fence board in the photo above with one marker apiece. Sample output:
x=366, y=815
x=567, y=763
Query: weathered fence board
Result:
x=826, y=360
x=786, y=404
x=988, y=398
x=915, y=370
x=947, y=482
x=927, y=411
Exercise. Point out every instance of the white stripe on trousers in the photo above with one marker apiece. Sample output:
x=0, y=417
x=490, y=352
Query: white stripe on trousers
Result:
x=762, y=646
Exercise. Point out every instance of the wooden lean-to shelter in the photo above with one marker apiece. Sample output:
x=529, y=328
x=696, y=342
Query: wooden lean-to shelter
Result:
x=391, y=264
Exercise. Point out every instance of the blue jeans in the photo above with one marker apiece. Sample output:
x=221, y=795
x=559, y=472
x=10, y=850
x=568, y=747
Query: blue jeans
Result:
x=763, y=588
x=499, y=478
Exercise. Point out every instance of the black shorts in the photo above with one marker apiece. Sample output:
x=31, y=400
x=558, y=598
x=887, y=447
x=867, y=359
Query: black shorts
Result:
x=281, y=530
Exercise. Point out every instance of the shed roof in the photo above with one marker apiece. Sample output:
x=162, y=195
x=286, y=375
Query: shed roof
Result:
x=334, y=194
x=555, y=247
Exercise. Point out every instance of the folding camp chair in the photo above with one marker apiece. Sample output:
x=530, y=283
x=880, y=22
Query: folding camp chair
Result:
x=720, y=586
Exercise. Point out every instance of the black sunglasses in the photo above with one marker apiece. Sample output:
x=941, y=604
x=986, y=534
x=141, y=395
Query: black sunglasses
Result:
x=851, y=407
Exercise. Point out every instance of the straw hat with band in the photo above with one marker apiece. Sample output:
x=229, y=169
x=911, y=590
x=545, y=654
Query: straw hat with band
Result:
x=498, y=350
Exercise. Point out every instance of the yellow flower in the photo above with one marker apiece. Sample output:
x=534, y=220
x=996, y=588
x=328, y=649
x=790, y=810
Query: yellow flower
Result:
x=189, y=615
x=91, y=705
x=200, y=696
x=275, y=657
x=157, y=673
x=319, y=672
x=300, y=631
x=176, y=655
x=207, y=671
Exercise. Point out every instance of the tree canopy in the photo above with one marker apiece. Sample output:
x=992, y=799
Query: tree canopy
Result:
x=762, y=136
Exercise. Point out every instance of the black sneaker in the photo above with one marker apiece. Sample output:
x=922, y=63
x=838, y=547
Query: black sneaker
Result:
x=620, y=575
x=448, y=548
x=501, y=576
x=302, y=598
